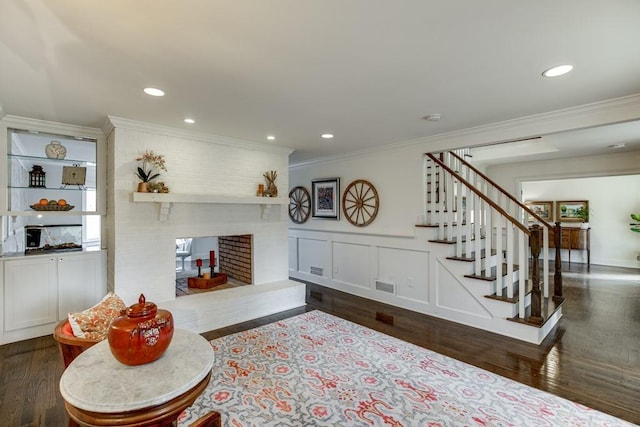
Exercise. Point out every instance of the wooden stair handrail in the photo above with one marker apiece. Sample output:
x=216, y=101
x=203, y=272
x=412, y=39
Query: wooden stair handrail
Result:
x=502, y=190
x=480, y=194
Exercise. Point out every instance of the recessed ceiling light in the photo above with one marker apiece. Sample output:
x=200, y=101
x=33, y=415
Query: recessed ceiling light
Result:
x=190, y=121
x=621, y=145
x=432, y=117
x=327, y=135
x=153, y=91
x=557, y=71
x=271, y=137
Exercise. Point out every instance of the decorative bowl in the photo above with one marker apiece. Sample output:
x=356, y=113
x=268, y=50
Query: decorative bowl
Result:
x=52, y=207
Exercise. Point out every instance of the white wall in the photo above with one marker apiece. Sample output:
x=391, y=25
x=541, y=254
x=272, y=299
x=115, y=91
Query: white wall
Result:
x=607, y=182
x=142, y=248
x=610, y=203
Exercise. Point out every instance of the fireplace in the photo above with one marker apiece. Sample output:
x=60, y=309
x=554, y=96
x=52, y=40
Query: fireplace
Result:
x=233, y=267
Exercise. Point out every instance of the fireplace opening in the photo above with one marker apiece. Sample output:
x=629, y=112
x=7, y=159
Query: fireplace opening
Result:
x=205, y=264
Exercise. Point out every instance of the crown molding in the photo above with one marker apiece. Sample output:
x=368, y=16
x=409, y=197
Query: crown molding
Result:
x=616, y=110
x=63, y=129
x=114, y=122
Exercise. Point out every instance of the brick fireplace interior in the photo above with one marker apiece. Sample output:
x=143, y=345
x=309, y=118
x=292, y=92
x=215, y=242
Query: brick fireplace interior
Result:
x=234, y=257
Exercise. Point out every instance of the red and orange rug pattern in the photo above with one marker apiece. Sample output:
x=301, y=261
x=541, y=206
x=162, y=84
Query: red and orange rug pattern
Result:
x=316, y=369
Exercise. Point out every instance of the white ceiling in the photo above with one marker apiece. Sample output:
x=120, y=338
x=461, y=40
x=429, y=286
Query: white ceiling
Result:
x=365, y=70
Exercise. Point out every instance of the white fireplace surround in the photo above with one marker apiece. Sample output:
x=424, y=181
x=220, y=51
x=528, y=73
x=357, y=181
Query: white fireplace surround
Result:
x=212, y=183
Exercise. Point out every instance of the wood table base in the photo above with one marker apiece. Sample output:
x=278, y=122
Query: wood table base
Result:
x=156, y=416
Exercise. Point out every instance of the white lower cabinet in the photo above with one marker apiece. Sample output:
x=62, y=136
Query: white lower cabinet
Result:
x=39, y=291
x=31, y=293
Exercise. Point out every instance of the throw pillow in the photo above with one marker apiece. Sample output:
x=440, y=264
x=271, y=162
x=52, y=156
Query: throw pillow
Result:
x=93, y=323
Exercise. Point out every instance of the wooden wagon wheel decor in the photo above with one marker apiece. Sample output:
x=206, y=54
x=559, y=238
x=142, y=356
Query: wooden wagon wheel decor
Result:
x=299, y=205
x=360, y=203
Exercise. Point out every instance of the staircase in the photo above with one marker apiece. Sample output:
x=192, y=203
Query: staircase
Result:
x=496, y=247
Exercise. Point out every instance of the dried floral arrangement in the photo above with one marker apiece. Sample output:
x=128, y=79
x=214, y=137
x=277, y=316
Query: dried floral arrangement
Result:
x=150, y=162
x=271, y=190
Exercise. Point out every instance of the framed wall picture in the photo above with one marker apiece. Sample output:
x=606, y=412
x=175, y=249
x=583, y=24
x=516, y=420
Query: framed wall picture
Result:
x=326, y=198
x=544, y=209
x=572, y=210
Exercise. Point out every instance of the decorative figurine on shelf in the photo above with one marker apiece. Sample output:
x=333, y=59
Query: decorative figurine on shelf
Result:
x=271, y=190
x=55, y=150
x=146, y=171
x=37, y=177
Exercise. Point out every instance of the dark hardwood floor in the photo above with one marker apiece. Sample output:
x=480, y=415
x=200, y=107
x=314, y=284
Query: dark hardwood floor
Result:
x=593, y=357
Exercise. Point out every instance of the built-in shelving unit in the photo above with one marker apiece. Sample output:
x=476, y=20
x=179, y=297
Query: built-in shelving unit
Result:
x=165, y=200
x=41, y=161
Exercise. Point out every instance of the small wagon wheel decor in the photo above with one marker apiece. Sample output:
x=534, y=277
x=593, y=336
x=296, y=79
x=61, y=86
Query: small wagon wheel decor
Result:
x=299, y=205
x=360, y=203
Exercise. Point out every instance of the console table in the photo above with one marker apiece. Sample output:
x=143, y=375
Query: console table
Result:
x=100, y=391
x=574, y=238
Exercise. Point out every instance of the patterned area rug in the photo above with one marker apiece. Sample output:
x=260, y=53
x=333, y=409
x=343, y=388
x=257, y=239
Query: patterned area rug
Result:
x=319, y=370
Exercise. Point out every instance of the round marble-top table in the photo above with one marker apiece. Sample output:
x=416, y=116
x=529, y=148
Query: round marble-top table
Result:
x=99, y=391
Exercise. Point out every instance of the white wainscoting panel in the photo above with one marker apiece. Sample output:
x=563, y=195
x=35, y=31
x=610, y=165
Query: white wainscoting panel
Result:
x=407, y=269
x=452, y=294
x=314, y=257
x=351, y=264
x=293, y=254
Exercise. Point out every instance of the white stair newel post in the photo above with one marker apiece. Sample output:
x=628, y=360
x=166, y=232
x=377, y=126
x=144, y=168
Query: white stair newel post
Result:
x=523, y=274
x=509, y=262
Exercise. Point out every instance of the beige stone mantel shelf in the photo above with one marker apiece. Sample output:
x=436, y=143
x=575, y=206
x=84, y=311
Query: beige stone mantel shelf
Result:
x=165, y=200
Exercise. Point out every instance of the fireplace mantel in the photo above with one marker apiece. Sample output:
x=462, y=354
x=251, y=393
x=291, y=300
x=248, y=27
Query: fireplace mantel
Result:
x=165, y=200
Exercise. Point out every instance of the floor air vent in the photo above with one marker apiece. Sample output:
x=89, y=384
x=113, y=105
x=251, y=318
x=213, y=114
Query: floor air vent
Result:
x=316, y=270
x=385, y=318
x=389, y=288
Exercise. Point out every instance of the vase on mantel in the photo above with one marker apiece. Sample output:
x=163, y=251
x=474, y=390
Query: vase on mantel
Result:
x=143, y=187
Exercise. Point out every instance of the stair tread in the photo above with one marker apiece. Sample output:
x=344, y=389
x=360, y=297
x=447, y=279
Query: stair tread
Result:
x=493, y=276
x=549, y=307
x=454, y=224
x=452, y=242
x=471, y=258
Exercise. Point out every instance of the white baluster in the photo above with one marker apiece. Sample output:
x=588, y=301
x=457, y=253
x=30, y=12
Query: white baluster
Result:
x=510, y=245
x=499, y=237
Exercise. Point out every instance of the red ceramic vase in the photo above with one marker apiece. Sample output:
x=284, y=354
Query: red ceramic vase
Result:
x=142, y=334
